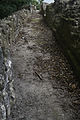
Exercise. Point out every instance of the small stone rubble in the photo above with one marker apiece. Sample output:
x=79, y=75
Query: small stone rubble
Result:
x=44, y=83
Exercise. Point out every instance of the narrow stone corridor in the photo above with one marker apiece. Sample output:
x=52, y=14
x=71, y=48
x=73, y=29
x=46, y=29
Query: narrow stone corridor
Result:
x=40, y=72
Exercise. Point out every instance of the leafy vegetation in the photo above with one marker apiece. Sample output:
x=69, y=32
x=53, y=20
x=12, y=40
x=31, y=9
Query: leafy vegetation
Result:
x=7, y=7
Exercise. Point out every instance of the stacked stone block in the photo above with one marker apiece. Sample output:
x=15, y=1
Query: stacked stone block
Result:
x=63, y=17
x=9, y=30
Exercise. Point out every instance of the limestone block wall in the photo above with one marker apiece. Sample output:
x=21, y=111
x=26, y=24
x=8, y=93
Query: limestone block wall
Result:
x=9, y=30
x=63, y=17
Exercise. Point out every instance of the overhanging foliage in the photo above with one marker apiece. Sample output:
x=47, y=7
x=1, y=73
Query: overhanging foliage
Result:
x=9, y=6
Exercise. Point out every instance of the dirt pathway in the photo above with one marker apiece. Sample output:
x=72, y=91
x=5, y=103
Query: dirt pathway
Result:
x=40, y=71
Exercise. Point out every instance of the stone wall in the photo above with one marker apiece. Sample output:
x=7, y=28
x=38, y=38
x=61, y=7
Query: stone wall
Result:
x=9, y=30
x=63, y=17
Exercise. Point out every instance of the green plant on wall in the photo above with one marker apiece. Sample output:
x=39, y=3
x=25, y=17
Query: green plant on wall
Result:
x=36, y=3
x=40, y=1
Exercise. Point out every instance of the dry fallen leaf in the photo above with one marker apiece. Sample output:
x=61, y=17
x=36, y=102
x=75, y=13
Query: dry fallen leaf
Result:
x=73, y=86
